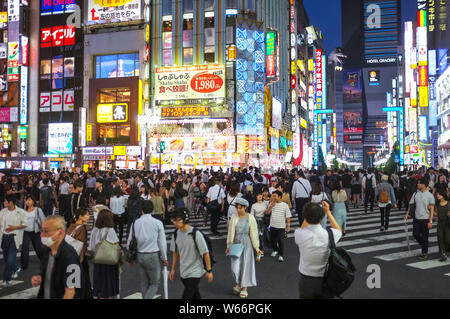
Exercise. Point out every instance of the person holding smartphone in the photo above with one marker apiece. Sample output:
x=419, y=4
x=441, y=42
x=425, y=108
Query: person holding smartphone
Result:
x=313, y=243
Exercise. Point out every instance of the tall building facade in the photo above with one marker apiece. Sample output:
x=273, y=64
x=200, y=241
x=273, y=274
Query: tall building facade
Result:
x=371, y=39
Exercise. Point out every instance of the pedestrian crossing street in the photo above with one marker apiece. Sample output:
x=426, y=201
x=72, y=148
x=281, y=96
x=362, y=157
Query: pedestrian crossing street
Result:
x=363, y=238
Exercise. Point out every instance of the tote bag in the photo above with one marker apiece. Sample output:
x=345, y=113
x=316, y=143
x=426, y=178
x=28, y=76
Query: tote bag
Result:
x=106, y=253
x=75, y=243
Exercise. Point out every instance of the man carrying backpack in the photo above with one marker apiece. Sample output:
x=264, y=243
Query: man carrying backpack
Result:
x=369, y=185
x=215, y=204
x=301, y=192
x=386, y=198
x=189, y=246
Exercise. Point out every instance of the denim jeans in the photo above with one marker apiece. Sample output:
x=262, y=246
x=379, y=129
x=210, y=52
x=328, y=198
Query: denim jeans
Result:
x=150, y=271
x=9, y=254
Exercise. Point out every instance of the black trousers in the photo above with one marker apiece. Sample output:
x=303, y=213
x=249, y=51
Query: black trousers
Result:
x=35, y=239
x=277, y=235
x=312, y=288
x=421, y=233
x=299, y=203
x=119, y=222
x=385, y=212
x=443, y=235
x=369, y=195
x=401, y=199
x=215, y=219
x=191, y=290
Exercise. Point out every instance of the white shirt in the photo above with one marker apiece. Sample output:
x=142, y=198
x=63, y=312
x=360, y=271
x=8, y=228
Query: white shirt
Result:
x=374, y=180
x=279, y=214
x=150, y=235
x=313, y=244
x=33, y=219
x=117, y=204
x=232, y=209
x=64, y=189
x=258, y=209
x=98, y=234
x=271, y=190
x=213, y=193
x=41, y=184
x=299, y=191
x=319, y=198
x=13, y=218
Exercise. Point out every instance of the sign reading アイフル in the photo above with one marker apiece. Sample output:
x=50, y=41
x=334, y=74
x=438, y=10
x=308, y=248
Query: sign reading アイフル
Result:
x=108, y=11
x=190, y=82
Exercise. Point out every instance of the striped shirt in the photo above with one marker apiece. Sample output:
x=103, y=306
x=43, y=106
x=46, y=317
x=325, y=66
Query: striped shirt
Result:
x=279, y=214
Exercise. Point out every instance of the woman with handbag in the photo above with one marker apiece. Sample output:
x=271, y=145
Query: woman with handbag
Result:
x=35, y=217
x=78, y=231
x=241, y=240
x=106, y=275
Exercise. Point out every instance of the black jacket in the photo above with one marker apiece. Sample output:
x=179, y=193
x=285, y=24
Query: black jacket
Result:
x=65, y=270
x=72, y=204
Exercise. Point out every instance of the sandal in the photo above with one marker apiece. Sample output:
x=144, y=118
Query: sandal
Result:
x=243, y=294
x=237, y=289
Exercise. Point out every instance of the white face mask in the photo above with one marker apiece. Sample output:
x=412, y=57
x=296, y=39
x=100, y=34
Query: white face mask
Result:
x=48, y=241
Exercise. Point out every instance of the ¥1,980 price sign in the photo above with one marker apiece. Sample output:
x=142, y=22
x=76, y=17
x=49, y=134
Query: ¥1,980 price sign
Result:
x=184, y=112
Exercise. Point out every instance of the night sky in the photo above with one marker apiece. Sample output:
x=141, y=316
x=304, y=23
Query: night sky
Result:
x=326, y=14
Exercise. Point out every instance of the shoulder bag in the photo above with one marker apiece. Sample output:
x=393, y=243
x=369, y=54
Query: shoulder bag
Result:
x=75, y=243
x=412, y=207
x=214, y=204
x=107, y=253
x=237, y=249
x=132, y=248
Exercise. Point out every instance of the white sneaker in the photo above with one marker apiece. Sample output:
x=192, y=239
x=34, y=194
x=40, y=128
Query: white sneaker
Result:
x=280, y=259
x=274, y=254
x=16, y=274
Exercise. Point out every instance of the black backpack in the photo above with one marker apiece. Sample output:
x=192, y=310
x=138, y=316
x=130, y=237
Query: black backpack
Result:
x=340, y=271
x=208, y=244
x=411, y=185
x=47, y=195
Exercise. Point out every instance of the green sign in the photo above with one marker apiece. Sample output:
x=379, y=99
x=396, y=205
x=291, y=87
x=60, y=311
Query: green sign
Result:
x=22, y=132
x=162, y=146
x=270, y=43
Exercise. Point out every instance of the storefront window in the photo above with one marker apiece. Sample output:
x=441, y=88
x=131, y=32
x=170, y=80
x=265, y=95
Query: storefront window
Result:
x=117, y=65
x=188, y=41
x=114, y=95
x=46, y=69
x=167, y=40
x=114, y=134
x=209, y=36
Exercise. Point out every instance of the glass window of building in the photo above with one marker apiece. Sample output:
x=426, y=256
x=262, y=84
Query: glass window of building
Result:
x=251, y=5
x=114, y=134
x=117, y=65
x=188, y=31
x=231, y=4
x=114, y=95
x=167, y=33
x=209, y=55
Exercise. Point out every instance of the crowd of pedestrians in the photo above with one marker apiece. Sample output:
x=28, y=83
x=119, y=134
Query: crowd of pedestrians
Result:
x=50, y=211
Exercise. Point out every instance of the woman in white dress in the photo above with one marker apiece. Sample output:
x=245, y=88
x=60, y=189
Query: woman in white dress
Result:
x=243, y=230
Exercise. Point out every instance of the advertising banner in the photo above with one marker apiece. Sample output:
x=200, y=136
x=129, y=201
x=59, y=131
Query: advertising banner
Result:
x=45, y=102
x=58, y=36
x=276, y=114
x=112, y=113
x=190, y=82
x=60, y=138
x=353, y=122
x=353, y=139
x=9, y=114
x=185, y=112
x=68, y=100
x=352, y=86
x=13, y=10
x=103, y=11
x=199, y=144
x=13, y=61
x=250, y=144
x=24, y=95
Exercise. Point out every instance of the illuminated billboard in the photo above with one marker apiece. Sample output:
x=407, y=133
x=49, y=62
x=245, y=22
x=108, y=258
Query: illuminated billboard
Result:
x=352, y=87
x=60, y=138
x=353, y=122
x=103, y=12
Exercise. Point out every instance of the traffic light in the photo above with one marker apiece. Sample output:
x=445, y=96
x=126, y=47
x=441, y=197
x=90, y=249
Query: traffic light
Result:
x=162, y=146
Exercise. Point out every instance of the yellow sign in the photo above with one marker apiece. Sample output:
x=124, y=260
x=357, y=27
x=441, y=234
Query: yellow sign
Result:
x=85, y=167
x=112, y=113
x=423, y=96
x=120, y=150
x=89, y=132
x=303, y=122
x=293, y=67
x=310, y=65
x=4, y=17
x=147, y=33
x=301, y=65
x=112, y=3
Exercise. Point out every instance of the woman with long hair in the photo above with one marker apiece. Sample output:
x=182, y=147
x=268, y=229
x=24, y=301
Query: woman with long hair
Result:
x=158, y=205
x=134, y=207
x=188, y=186
x=339, y=212
x=35, y=217
x=356, y=189
x=231, y=199
x=106, y=277
x=317, y=197
x=443, y=224
x=145, y=194
x=179, y=194
x=78, y=230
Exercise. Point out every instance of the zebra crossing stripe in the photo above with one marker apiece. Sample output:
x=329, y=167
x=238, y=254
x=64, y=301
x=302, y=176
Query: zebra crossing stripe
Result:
x=369, y=249
x=406, y=254
x=375, y=239
x=30, y=293
x=429, y=264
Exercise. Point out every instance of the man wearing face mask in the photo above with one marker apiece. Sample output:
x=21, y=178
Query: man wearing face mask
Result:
x=12, y=224
x=60, y=276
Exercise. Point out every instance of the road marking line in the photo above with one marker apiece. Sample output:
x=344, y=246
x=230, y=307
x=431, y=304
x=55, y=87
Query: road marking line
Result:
x=24, y=294
x=369, y=249
x=406, y=254
x=375, y=239
x=429, y=264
